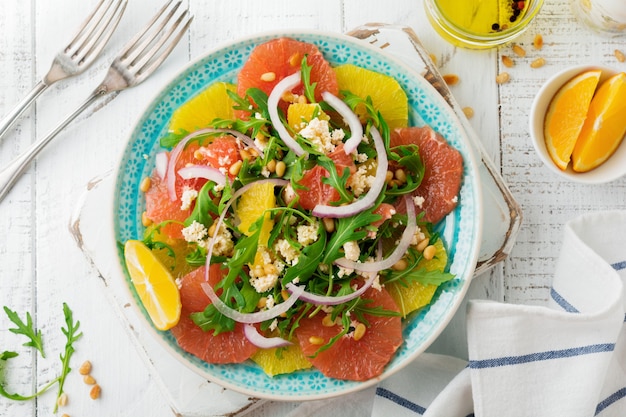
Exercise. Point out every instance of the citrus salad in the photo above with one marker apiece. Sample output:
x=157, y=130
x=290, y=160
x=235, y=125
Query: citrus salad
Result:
x=289, y=218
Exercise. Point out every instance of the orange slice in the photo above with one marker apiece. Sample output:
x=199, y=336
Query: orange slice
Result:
x=197, y=113
x=604, y=127
x=566, y=115
x=154, y=284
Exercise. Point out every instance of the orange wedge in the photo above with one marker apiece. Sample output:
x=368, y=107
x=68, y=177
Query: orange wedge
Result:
x=604, y=127
x=154, y=284
x=566, y=115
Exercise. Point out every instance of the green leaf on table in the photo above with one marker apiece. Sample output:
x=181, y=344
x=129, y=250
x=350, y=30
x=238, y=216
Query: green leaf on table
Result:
x=27, y=329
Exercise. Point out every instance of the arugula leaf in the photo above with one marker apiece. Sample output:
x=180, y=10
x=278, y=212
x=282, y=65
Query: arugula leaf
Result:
x=309, y=87
x=348, y=229
x=338, y=182
x=204, y=206
x=4, y=357
x=72, y=335
x=308, y=261
x=26, y=329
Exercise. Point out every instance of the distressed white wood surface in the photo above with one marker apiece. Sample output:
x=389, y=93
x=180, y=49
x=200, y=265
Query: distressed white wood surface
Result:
x=41, y=266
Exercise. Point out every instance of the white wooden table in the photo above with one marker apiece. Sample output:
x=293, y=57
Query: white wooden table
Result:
x=41, y=266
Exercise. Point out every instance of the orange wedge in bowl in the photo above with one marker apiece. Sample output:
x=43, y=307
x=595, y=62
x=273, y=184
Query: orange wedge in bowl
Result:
x=604, y=127
x=566, y=115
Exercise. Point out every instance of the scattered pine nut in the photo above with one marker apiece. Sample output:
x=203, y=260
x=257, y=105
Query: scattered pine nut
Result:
x=95, y=392
x=89, y=380
x=328, y=321
x=503, y=77
x=507, y=61
x=429, y=252
x=329, y=224
x=538, y=41
x=519, y=51
x=433, y=58
x=451, y=79
x=401, y=265
x=422, y=244
x=268, y=76
x=62, y=401
x=145, y=220
x=271, y=165
x=261, y=303
x=65, y=415
x=359, y=332
x=294, y=59
x=235, y=168
x=145, y=185
x=538, y=63
x=316, y=340
x=85, y=368
x=619, y=55
x=469, y=112
x=281, y=167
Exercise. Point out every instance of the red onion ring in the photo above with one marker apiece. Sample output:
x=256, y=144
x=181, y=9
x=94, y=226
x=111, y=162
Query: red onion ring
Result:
x=259, y=316
x=286, y=84
x=160, y=162
x=202, y=171
x=369, y=199
x=170, y=174
x=258, y=340
x=330, y=300
x=356, y=129
x=397, y=254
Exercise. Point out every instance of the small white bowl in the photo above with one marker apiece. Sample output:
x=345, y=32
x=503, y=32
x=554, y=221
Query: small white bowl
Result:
x=612, y=169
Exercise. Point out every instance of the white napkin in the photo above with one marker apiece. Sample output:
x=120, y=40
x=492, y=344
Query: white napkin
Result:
x=567, y=358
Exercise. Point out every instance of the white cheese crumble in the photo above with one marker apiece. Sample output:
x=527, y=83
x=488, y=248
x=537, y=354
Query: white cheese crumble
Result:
x=263, y=282
x=286, y=251
x=319, y=134
x=360, y=181
x=351, y=250
x=223, y=242
x=195, y=232
x=188, y=197
x=361, y=157
x=417, y=237
x=419, y=201
x=307, y=233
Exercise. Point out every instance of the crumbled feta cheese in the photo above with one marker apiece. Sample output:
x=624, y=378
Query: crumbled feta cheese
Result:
x=376, y=283
x=417, y=237
x=261, y=144
x=344, y=272
x=455, y=199
x=360, y=181
x=286, y=251
x=224, y=161
x=361, y=157
x=269, y=302
x=273, y=325
x=318, y=132
x=223, y=242
x=263, y=283
x=265, y=172
x=189, y=195
x=419, y=201
x=195, y=232
x=307, y=233
x=351, y=250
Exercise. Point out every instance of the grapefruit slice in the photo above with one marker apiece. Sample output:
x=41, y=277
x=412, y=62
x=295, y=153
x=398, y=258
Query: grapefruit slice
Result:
x=444, y=170
x=227, y=347
x=348, y=358
x=272, y=61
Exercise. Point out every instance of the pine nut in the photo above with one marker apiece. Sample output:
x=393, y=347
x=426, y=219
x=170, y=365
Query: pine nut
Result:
x=401, y=265
x=261, y=303
x=400, y=175
x=429, y=252
x=211, y=230
x=145, y=220
x=271, y=166
x=235, y=168
x=359, y=332
x=284, y=294
x=145, y=185
x=388, y=177
x=538, y=63
x=268, y=76
x=503, y=77
x=95, y=392
x=619, y=55
x=270, y=269
x=281, y=167
x=451, y=79
x=519, y=51
x=89, y=380
x=468, y=112
x=85, y=368
x=507, y=61
x=294, y=59
x=329, y=224
x=316, y=340
x=538, y=41
x=244, y=154
x=62, y=401
x=422, y=244
x=65, y=415
x=328, y=321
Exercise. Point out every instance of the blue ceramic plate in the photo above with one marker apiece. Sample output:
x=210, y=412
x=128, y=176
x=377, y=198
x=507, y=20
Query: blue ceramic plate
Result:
x=461, y=229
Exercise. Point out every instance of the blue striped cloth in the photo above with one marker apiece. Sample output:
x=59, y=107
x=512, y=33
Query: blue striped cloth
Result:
x=567, y=358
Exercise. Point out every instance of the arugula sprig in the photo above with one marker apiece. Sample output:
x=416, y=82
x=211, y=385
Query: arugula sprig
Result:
x=26, y=329
x=72, y=335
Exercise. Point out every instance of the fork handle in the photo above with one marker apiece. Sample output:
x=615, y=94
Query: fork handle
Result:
x=11, y=173
x=10, y=118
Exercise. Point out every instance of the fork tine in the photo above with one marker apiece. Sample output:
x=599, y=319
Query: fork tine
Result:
x=86, y=27
x=133, y=42
x=101, y=34
x=145, y=63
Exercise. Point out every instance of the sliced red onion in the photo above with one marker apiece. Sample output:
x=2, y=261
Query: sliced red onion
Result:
x=170, y=174
x=330, y=300
x=368, y=200
x=259, y=316
x=286, y=84
x=399, y=251
x=356, y=129
x=202, y=171
x=258, y=340
x=160, y=162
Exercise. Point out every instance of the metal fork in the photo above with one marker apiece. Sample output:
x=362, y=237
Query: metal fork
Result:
x=139, y=58
x=81, y=51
